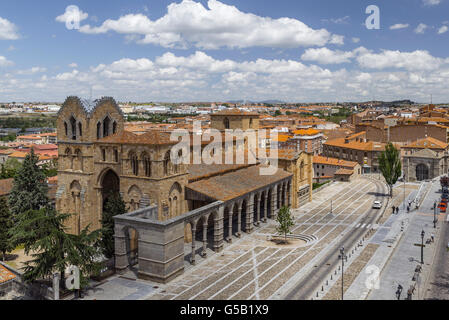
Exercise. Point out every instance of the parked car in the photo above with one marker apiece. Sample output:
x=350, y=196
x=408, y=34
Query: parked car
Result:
x=377, y=205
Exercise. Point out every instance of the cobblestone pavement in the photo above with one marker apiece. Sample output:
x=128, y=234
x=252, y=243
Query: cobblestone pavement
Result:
x=254, y=268
x=351, y=273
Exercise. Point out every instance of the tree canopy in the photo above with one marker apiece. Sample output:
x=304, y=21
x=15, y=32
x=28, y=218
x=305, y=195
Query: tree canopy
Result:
x=285, y=221
x=6, y=224
x=390, y=165
x=114, y=206
x=29, y=191
x=53, y=249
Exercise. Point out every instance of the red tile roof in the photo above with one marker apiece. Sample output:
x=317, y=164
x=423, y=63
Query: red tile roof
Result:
x=148, y=138
x=6, y=275
x=234, y=184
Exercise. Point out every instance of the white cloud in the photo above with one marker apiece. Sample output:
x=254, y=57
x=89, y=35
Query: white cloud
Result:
x=72, y=15
x=355, y=40
x=443, y=29
x=399, y=26
x=67, y=75
x=32, y=70
x=73, y=65
x=431, y=2
x=202, y=77
x=326, y=56
x=416, y=60
x=343, y=20
x=8, y=30
x=5, y=62
x=219, y=25
x=421, y=28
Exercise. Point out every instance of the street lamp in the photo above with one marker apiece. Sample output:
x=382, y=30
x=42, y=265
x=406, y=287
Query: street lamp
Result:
x=399, y=291
x=342, y=256
x=422, y=246
x=435, y=215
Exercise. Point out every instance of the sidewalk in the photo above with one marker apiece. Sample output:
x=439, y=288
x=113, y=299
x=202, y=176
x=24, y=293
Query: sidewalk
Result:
x=397, y=256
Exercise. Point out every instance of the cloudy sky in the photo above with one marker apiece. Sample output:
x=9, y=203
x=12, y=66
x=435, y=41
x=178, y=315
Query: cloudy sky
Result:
x=210, y=50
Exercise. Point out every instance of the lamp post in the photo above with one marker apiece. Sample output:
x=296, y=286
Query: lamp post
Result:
x=404, y=193
x=399, y=291
x=342, y=257
x=435, y=215
x=422, y=246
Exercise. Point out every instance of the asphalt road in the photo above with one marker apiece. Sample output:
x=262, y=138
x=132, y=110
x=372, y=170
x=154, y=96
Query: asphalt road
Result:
x=311, y=282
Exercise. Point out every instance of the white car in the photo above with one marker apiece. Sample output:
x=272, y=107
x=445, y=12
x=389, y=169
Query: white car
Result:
x=377, y=205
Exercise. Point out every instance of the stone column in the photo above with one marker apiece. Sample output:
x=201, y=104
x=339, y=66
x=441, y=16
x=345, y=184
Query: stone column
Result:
x=265, y=208
x=229, y=239
x=56, y=278
x=283, y=194
x=192, y=258
x=239, y=219
x=274, y=203
x=205, y=224
x=249, y=214
x=121, y=254
x=289, y=194
x=257, y=209
x=218, y=230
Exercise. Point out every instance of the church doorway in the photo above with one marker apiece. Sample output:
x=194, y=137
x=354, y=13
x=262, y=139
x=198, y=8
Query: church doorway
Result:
x=110, y=185
x=422, y=172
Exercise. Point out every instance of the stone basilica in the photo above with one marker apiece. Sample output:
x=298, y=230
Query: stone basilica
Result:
x=169, y=204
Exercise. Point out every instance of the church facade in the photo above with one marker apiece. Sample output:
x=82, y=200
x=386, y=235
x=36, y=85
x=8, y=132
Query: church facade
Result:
x=169, y=204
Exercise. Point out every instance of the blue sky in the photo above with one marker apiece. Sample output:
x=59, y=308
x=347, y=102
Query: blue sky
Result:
x=223, y=50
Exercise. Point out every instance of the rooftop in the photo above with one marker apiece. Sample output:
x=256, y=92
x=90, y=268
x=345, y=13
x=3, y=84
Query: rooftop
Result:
x=334, y=161
x=237, y=183
x=5, y=275
x=427, y=143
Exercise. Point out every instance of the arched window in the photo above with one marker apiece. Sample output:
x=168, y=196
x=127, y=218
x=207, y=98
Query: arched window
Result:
x=301, y=170
x=114, y=127
x=115, y=155
x=134, y=164
x=80, y=129
x=106, y=123
x=103, y=154
x=226, y=123
x=147, y=165
x=167, y=163
x=98, y=130
x=66, y=129
x=73, y=127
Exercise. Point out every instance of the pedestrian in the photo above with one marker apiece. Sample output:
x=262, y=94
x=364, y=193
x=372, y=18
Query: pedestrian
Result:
x=394, y=209
x=397, y=210
x=408, y=209
x=432, y=237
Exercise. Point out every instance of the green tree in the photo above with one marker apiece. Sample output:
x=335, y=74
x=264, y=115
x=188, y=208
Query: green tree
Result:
x=390, y=165
x=277, y=113
x=113, y=206
x=50, y=169
x=10, y=168
x=53, y=249
x=285, y=220
x=6, y=224
x=29, y=191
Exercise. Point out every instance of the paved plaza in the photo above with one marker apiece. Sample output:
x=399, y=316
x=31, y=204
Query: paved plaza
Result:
x=253, y=267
